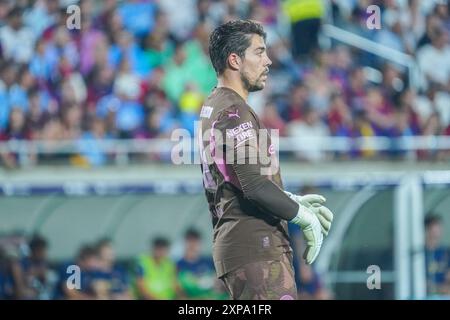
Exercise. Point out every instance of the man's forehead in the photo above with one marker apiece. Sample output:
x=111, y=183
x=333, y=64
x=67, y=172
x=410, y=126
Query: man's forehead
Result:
x=257, y=41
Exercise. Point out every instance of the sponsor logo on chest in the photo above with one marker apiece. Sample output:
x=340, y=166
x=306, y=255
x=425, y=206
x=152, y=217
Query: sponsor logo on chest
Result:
x=242, y=132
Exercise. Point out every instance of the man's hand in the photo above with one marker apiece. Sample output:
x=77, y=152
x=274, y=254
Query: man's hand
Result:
x=310, y=225
x=315, y=202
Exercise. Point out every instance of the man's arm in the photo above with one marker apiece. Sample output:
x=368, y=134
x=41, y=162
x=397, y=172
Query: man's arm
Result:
x=239, y=131
x=266, y=194
x=256, y=187
x=275, y=201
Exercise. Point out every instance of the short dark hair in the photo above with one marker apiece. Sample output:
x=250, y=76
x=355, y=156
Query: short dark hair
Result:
x=86, y=251
x=37, y=242
x=231, y=37
x=103, y=242
x=192, y=234
x=431, y=219
x=160, y=242
x=16, y=11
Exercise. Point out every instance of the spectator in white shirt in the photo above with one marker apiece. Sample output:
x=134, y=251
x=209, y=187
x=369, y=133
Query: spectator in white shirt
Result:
x=434, y=59
x=309, y=133
x=17, y=41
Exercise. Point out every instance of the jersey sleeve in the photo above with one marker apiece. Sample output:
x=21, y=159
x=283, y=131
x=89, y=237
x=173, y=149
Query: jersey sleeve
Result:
x=238, y=129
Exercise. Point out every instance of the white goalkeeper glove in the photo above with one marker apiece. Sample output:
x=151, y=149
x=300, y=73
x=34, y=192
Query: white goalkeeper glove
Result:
x=315, y=202
x=310, y=225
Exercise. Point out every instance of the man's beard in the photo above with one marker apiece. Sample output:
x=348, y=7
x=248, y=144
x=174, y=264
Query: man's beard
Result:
x=251, y=87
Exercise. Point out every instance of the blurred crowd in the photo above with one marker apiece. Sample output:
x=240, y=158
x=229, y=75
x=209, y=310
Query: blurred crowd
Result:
x=95, y=273
x=137, y=69
x=27, y=273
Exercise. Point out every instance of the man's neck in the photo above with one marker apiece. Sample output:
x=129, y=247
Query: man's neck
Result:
x=237, y=86
x=431, y=245
x=190, y=258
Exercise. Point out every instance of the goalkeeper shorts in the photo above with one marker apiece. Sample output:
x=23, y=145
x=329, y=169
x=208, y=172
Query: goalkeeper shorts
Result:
x=263, y=280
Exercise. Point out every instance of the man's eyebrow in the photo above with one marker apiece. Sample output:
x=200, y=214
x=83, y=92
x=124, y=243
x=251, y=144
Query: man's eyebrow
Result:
x=261, y=48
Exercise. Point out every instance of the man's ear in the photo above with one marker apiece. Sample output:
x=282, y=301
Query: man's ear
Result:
x=234, y=61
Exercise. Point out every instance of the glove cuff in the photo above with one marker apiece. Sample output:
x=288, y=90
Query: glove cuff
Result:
x=301, y=218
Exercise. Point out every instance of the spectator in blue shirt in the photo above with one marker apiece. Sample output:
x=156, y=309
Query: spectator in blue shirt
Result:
x=6, y=280
x=114, y=275
x=196, y=273
x=138, y=16
x=437, y=257
x=90, y=282
x=39, y=279
x=91, y=143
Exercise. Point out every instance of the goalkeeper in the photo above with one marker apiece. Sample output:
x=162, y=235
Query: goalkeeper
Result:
x=249, y=208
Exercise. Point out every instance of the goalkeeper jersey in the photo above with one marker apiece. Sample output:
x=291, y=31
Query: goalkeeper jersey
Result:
x=242, y=184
